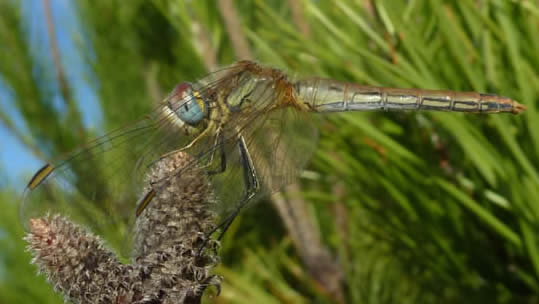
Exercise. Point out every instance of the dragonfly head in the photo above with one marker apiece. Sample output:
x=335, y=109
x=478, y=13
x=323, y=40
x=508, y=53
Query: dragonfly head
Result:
x=187, y=104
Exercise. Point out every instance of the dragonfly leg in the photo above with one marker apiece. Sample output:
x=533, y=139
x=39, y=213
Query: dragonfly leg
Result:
x=201, y=135
x=252, y=186
x=219, y=143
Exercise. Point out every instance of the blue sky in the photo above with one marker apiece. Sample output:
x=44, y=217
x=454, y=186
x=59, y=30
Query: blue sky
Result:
x=16, y=162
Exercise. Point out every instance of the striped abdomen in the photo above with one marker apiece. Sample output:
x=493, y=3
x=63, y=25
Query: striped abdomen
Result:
x=324, y=95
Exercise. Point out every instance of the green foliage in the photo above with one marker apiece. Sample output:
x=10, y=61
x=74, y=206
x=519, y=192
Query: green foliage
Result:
x=439, y=207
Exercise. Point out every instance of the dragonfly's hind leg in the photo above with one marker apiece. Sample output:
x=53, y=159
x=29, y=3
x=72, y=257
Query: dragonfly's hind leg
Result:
x=251, y=183
x=252, y=186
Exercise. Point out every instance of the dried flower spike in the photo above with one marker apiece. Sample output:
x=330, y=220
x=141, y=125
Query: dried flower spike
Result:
x=166, y=267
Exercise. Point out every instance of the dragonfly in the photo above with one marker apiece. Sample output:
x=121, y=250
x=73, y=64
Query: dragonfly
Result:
x=249, y=126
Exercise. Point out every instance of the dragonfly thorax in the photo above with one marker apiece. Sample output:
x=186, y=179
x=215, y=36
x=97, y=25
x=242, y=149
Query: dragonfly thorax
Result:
x=250, y=88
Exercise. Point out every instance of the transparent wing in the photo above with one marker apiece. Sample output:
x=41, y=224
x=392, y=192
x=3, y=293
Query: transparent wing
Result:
x=99, y=183
x=280, y=142
x=96, y=183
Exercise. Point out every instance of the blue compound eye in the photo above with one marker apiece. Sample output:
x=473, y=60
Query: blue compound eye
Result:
x=190, y=112
x=186, y=104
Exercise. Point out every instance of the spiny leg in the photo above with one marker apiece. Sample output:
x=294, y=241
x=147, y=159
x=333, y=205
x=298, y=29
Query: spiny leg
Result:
x=219, y=143
x=252, y=186
x=201, y=135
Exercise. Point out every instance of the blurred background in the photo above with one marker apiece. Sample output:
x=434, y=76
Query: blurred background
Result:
x=393, y=208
